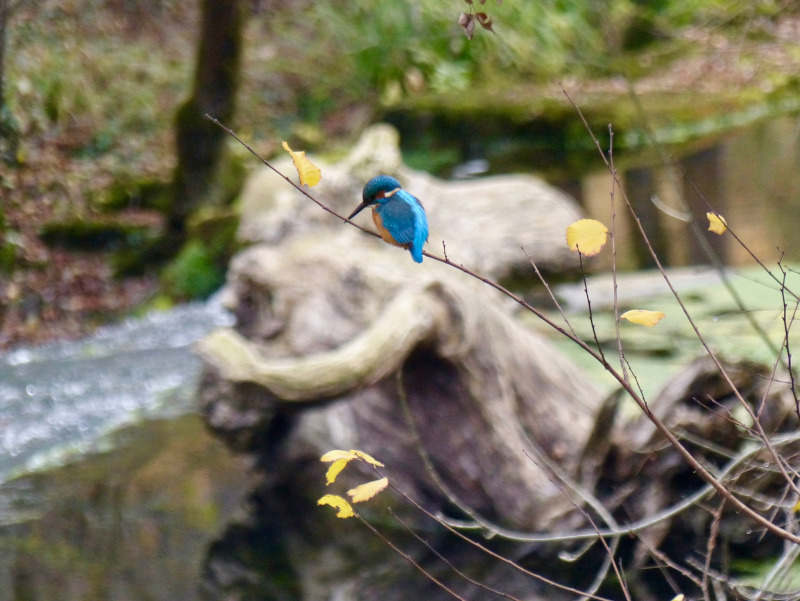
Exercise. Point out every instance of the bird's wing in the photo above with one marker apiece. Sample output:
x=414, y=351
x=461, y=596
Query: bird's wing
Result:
x=398, y=217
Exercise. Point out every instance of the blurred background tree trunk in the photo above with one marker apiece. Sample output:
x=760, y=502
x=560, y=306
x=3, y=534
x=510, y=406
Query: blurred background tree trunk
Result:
x=200, y=143
x=4, y=10
x=9, y=129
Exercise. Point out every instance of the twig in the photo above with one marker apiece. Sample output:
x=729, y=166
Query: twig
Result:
x=710, y=546
x=589, y=305
x=636, y=379
x=450, y=563
x=706, y=247
x=732, y=233
x=787, y=324
x=666, y=560
x=487, y=550
x=709, y=251
x=300, y=189
x=612, y=168
x=560, y=477
x=549, y=290
x=409, y=559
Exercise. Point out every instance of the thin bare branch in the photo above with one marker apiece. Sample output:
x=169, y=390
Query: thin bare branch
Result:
x=787, y=325
x=562, y=479
x=549, y=290
x=410, y=560
x=492, y=553
x=450, y=563
x=589, y=306
x=710, y=546
x=622, y=362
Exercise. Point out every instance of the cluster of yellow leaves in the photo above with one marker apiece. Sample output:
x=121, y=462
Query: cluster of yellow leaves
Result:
x=339, y=459
x=363, y=492
x=309, y=173
x=589, y=236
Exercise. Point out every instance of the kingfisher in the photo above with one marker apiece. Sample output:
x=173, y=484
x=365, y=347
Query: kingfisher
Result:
x=399, y=216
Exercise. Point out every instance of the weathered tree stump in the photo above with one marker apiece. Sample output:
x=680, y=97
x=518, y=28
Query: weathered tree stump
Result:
x=342, y=342
x=481, y=390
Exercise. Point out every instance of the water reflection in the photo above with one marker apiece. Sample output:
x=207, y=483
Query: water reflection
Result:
x=751, y=177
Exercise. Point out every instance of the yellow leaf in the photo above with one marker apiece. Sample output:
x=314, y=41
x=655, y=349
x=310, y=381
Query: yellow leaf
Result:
x=642, y=317
x=333, y=471
x=587, y=236
x=364, y=492
x=796, y=507
x=340, y=503
x=309, y=173
x=716, y=223
x=680, y=597
x=336, y=455
x=364, y=457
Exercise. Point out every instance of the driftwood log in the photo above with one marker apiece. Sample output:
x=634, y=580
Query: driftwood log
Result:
x=342, y=342
x=482, y=390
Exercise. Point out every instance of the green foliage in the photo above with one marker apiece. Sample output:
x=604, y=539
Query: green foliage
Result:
x=8, y=246
x=373, y=43
x=97, y=234
x=198, y=270
x=108, y=88
x=389, y=53
x=369, y=46
x=132, y=192
x=194, y=273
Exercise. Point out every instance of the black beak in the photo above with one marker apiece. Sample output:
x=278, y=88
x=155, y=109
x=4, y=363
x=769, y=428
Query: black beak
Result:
x=359, y=208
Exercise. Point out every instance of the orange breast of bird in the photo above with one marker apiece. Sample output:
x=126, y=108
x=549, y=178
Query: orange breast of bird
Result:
x=385, y=235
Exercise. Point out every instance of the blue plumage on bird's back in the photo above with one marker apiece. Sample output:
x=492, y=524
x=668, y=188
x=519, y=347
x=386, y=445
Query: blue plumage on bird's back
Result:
x=399, y=216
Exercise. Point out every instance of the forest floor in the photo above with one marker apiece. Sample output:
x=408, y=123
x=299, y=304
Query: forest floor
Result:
x=57, y=293
x=78, y=139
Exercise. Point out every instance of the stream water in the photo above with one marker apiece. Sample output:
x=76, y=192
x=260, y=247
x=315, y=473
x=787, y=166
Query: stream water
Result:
x=64, y=399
